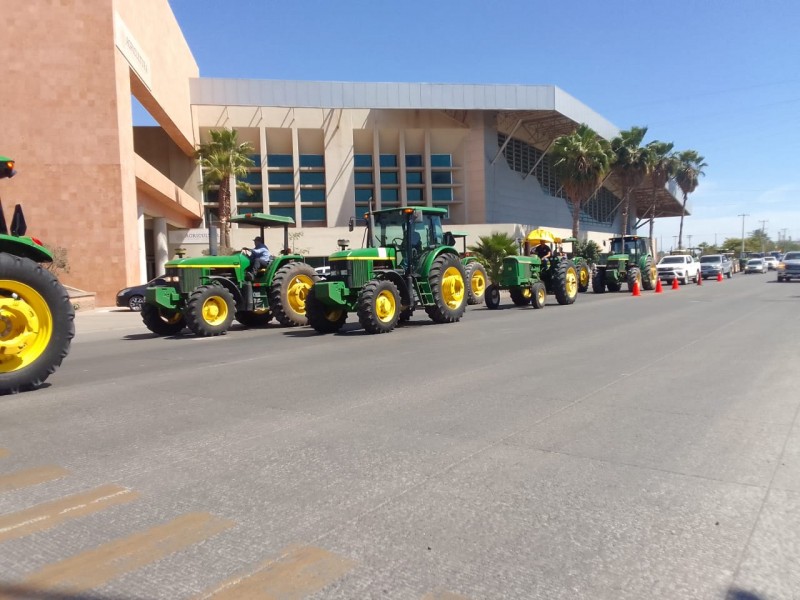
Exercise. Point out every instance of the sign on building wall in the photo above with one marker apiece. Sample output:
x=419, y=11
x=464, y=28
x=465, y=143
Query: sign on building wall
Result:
x=132, y=51
x=188, y=236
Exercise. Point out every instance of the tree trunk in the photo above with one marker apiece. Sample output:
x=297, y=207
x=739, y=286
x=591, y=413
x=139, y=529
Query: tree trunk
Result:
x=626, y=201
x=224, y=215
x=652, y=223
x=576, y=218
x=680, y=231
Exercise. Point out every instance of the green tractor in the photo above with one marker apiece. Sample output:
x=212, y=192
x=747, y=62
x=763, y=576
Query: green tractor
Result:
x=629, y=261
x=408, y=263
x=475, y=272
x=529, y=279
x=206, y=293
x=581, y=264
x=37, y=320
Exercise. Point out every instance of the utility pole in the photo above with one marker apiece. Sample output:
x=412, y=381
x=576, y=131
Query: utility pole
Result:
x=763, y=235
x=689, y=237
x=743, y=216
x=715, y=241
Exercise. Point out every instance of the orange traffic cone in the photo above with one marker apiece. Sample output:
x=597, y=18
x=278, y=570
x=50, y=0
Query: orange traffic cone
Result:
x=636, y=290
x=719, y=276
x=699, y=279
x=659, y=289
x=675, y=284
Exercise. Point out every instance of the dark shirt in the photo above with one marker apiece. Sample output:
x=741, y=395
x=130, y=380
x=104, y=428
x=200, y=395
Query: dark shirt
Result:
x=542, y=251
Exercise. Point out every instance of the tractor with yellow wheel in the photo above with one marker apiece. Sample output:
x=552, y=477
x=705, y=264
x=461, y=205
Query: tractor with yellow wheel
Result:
x=408, y=263
x=36, y=315
x=207, y=293
x=477, y=278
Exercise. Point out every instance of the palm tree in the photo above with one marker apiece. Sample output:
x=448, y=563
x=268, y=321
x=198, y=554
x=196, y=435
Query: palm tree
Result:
x=687, y=176
x=630, y=166
x=491, y=250
x=662, y=165
x=581, y=161
x=220, y=159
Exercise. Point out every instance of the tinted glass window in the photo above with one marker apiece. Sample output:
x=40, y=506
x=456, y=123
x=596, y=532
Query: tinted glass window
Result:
x=363, y=160
x=413, y=160
x=312, y=160
x=281, y=178
x=279, y=160
x=388, y=160
x=312, y=178
x=363, y=177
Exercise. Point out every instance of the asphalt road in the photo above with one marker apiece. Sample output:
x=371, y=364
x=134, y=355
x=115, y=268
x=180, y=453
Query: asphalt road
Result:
x=618, y=448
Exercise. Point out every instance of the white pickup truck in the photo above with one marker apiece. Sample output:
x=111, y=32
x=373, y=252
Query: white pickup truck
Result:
x=682, y=267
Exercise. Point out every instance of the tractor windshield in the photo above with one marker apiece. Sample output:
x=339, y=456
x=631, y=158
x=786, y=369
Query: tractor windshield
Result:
x=389, y=229
x=628, y=246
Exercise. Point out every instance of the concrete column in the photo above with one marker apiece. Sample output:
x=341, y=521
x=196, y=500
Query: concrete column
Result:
x=142, y=247
x=298, y=213
x=262, y=139
x=428, y=181
x=160, y=244
x=234, y=203
x=376, y=168
x=402, y=172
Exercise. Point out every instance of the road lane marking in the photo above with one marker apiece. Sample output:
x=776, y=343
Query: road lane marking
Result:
x=298, y=572
x=49, y=514
x=97, y=567
x=21, y=479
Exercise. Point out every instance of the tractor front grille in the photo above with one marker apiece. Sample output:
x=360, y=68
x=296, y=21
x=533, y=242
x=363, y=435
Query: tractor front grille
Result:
x=189, y=279
x=355, y=273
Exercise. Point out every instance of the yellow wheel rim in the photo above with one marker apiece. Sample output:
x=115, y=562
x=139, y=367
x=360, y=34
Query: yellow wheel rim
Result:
x=26, y=325
x=478, y=283
x=215, y=310
x=452, y=288
x=653, y=274
x=526, y=293
x=572, y=283
x=385, y=306
x=584, y=276
x=541, y=295
x=297, y=292
x=333, y=315
x=171, y=318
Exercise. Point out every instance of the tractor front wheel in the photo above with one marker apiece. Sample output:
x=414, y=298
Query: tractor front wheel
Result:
x=634, y=276
x=649, y=275
x=539, y=292
x=492, y=297
x=584, y=276
x=477, y=278
x=614, y=286
x=599, y=282
x=288, y=293
x=162, y=321
x=210, y=310
x=521, y=295
x=323, y=318
x=566, y=282
x=446, y=279
x=379, y=306
x=36, y=324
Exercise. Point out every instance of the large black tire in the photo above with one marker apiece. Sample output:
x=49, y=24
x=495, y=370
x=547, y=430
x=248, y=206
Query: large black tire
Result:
x=210, y=310
x=599, y=282
x=614, y=286
x=322, y=317
x=448, y=286
x=566, y=282
x=288, y=292
x=538, y=294
x=477, y=280
x=405, y=315
x=521, y=296
x=492, y=297
x=379, y=306
x=634, y=275
x=649, y=275
x=584, y=275
x=254, y=319
x=161, y=321
x=33, y=351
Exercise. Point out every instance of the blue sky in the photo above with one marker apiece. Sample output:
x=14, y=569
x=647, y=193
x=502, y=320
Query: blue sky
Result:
x=722, y=78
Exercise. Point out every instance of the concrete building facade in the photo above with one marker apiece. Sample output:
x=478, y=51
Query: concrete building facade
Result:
x=122, y=200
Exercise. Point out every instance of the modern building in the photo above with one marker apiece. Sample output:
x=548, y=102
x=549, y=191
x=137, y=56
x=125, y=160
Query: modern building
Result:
x=124, y=199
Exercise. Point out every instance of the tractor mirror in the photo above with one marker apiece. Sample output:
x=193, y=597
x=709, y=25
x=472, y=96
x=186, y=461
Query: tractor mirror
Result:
x=352, y=224
x=449, y=239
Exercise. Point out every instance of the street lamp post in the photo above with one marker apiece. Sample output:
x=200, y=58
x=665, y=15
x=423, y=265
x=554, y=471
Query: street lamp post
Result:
x=743, y=216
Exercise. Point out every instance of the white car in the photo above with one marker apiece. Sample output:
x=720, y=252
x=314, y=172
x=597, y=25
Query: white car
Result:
x=682, y=267
x=755, y=265
x=323, y=271
x=772, y=263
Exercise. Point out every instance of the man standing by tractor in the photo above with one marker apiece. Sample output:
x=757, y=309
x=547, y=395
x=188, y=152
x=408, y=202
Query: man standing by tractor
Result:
x=259, y=256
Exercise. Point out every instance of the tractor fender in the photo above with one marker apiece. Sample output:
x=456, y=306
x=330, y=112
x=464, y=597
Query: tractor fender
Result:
x=25, y=247
x=431, y=255
x=400, y=281
x=230, y=286
x=280, y=261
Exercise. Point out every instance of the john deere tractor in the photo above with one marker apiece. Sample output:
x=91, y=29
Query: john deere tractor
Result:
x=206, y=293
x=36, y=316
x=529, y=279
x=408, y=263
x=475, y=271
x=628, y=261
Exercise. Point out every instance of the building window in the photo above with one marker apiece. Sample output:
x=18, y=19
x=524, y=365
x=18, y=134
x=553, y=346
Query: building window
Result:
x=388, y=177
x=442, y=194
x=312, y=160
x=313, y=214
x=281, y=178
x=212, y=196
x=283, y=196
x=414, y=177
x=312, y=195
x=280, y=160
x=363, y=161
x=256, y=197
x=252, y=177
x=389, y=195
x=414, y=160
x=282, y=211
x=415, y=196
x=363, y=177
x=441, y=160
x=256, y=158
x=388, y=160
x=312, y=178
x=441, y=178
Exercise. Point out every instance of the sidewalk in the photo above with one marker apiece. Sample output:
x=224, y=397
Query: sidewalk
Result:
x=106, y=319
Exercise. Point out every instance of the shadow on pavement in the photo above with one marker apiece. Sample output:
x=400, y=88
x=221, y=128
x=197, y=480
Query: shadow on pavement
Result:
x=22, y=592
x=738, y=594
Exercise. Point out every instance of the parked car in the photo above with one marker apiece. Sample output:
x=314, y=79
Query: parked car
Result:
x=133, y=297
x=772, y=263
x=683, y=267
x=714, y=264
x=755, y=265
x=323, y=271
x=789, y=267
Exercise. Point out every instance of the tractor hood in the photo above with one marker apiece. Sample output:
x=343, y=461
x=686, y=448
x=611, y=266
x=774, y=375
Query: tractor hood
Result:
x=231, y=260
x=604, y=259
x=364, y=254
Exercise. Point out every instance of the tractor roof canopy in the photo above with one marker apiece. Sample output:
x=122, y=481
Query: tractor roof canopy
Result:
x=425, y=210
x=262, y=219
x=537, y=236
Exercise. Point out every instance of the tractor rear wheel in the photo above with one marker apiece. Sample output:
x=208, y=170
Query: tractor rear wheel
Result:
x=599, y=282
x=539, y=293
x=477, y=278
x=634, y=276
x=323, y=318
x=614, y=286
x=492, y=297
x=379, y=306
x=254, y=318
x=446, y=279
x=521, y=296
x=162, y=321
x=584, y=275
x=36, y=324
x=288, y=292
x=566, y=282
x=210, y=310
x=649, y=275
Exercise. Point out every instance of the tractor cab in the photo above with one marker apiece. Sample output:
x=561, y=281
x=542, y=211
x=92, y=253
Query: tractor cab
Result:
x=408, y=231
x=632, y=246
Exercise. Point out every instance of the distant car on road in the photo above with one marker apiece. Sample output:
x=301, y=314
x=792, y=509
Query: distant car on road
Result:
x=133, y=297
x=714, y=264
x=789, y=267
x=755, y=265
x=772, y=262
